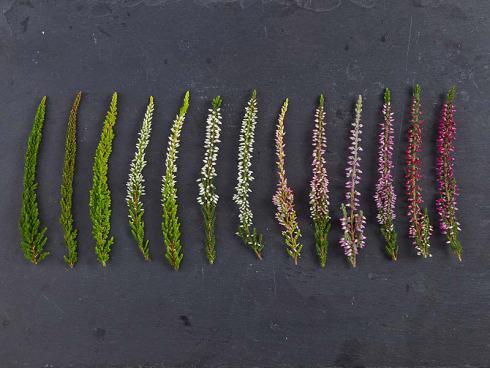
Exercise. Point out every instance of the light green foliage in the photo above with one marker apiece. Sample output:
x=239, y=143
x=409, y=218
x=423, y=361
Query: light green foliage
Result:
x=171, y=223
x=33, y=238
x=135, y=185
x=66, y=218
x=100, y=195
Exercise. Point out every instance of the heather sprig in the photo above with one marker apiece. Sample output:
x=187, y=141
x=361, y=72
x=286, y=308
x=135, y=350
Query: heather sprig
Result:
x=33, y=238
x=246, y=229
x=208, y=198
x=171, y=223
x=319, y=201
x=100, y=194
x=66, y=218
x=385, y=196
x=284, y=197
x=353, y=220
x=135, y=185
x=446, y=181
x=420, y=228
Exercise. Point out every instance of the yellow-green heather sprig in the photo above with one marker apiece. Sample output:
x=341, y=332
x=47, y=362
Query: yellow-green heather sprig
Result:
x=171, y=223
x=246, y=229
x=319, y=201
x=284, y=197
x=135, y=185
x=208, y=198
x=66, y=218
x=33, y=238
x=100, y=194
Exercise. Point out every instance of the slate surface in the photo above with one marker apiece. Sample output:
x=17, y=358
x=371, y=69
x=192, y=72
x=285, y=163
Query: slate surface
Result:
x=242, y=312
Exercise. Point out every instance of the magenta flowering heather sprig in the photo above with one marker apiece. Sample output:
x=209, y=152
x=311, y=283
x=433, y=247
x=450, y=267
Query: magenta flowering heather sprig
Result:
x=385, y=196
x=319, y=200
x=420, y=228
x=353, y=220
x=446, y=182
x=284, y=197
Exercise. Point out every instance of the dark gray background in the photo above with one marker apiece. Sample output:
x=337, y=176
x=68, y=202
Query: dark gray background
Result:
x=242, y=312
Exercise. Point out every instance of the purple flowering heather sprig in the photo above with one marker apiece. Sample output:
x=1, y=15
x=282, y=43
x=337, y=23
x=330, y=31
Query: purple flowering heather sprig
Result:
x=284, y=197
x=446, y=182
x=385, y=196
x=353, y=220
x=419, y=228
x=319, y=200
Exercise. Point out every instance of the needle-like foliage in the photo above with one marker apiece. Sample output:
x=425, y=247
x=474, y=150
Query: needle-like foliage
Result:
x=66, y=218
x=33, y=238
x=135, y=185
x=319, y=200
x=420, y=228
x=446, y=181
x=171, y=223
x=208, y=198
x=284, y=196
x=385, y=196
x=353, y=220
x=246, y=229
x=100, y=194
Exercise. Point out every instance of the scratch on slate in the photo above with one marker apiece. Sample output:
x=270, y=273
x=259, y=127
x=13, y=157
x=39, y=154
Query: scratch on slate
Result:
x=53, y=303
x=408, y=45
x=274, y=279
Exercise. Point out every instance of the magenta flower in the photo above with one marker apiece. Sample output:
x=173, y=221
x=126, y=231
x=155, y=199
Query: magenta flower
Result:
x=446, y=182
x=319, y=201
x=385, y=196
x=353, y=220
x=420, y=228
x=284, y=197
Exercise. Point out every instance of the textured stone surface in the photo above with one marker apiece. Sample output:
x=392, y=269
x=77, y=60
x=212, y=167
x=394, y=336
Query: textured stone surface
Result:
x=242, y=312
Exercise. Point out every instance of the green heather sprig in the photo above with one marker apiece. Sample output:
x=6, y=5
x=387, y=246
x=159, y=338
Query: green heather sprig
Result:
x=135, y=185
x=33, y=238
x=66, y=218
x=208, y=198
x=246, y=229
x=319, y=200
x=171, y=223
x=284, y=197
x=100, y=194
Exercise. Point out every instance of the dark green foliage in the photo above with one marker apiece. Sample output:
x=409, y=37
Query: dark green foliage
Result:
x=66, y=218
x=100, y=195
x=32, y=238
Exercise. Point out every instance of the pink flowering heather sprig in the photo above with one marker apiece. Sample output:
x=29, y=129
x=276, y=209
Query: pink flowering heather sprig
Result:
x=319, y=200
x=284, y=197
x=385, y=196
x=420, y=228
x=353, y=220
x=446, y=182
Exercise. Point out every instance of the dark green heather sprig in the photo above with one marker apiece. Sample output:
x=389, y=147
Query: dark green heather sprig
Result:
x=385, y=196
x=171, y=223
x=246, y=229
x=208, y=198
x=135, y=185
x=66, y=218
x=33, y=238
x=319, y=201
x=284, y=196
x=100, y=194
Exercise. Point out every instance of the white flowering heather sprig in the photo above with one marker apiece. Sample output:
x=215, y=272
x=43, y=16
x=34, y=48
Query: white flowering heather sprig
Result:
x=446, y=181
x=284, y=197
x=246, y=230
x=208, y=198
x=319, y=200
x=385, y=196
x=135, y=185
x=353, y=220
x=171, y=223
x=420, y=228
